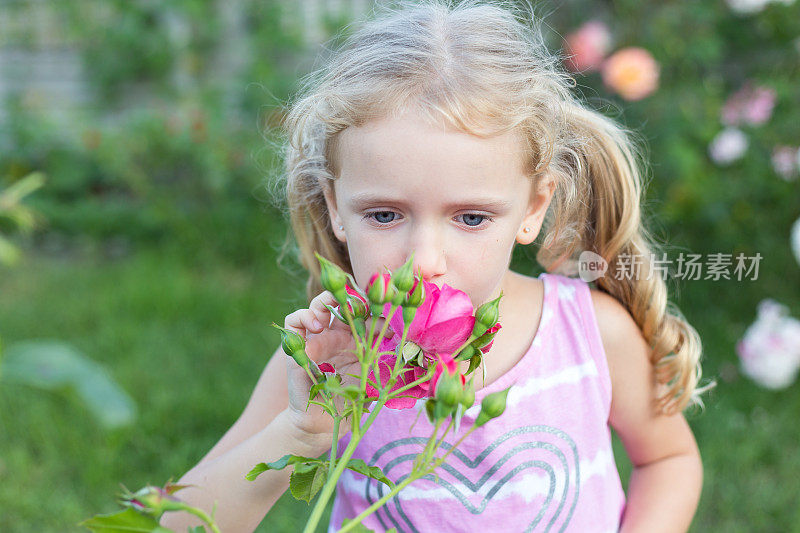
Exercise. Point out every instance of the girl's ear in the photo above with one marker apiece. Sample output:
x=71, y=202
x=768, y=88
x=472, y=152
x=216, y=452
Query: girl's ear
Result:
x=333, y=212
x=537, y=207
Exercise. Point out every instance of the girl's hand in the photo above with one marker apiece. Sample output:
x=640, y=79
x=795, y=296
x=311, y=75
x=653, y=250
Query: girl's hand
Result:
x=325, y=343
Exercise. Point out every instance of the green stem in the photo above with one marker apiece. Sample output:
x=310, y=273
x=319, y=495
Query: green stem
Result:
x=334, y=444
x=410, y=479
x=330, y=484
x=423, y=379
x=468, y=341
x=375, y=506
x=202, y=516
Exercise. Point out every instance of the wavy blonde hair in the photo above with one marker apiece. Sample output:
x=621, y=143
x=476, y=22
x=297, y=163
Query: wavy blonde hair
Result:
x=486, y=70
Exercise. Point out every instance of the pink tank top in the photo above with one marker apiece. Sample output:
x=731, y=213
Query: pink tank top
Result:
x=545, y=465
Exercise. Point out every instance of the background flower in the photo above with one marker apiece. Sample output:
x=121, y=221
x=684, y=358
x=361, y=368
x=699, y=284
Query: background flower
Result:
x=631, y=72
x=749, y=105
x=728, y=146
x=586, y=47
x=784, y=161
x=769, y=352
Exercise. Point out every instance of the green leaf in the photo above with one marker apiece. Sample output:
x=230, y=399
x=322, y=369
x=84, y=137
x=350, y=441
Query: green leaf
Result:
x=358, y=465
x=198, y=529
x=53, y=365
x=307, y=480
x=280, y=464
x=122, y=522
x=314, y=390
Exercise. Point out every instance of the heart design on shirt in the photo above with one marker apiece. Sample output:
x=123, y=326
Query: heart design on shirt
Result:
x=555, y=454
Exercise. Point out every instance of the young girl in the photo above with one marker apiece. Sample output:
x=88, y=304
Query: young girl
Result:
x=451, y=132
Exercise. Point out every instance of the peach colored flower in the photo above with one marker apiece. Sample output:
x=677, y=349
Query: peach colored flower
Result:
x=587, y=46
x=631, y=72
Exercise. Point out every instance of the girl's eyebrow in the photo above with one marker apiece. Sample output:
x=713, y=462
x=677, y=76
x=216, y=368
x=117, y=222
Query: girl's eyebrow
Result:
x=361, y=200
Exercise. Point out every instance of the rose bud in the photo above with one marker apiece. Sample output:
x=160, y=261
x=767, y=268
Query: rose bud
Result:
x=327, y=368
x=333, y=279
x=486, y=316
x=403, y=277
x=152, y=501
x=416, y=295
x=448, y=389
x=484, y=342
x=467, y=395
x=492, y=406
x=356, y=303
x=294, y=345
x=380, y=290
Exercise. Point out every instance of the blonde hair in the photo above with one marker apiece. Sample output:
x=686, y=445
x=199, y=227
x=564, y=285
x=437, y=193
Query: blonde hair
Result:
x=486, y=72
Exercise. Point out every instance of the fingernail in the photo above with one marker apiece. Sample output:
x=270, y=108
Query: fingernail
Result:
x=317, y=324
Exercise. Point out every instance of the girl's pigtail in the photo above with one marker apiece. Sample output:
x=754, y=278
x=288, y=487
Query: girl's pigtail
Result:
x=598, y=208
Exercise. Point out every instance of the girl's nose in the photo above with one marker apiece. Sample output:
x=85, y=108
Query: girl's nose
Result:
x=429, y=254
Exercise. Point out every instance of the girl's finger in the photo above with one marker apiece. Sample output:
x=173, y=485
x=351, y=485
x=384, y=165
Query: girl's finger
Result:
x=302, y=321
x=317, y=306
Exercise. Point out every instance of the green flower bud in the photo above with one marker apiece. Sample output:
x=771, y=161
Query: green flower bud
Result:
x=151, y=501
x=417, y=294
x=294, y=345
x=486, y=316
x=467, y=395
x=356, y=306
x=403, y=277
x=448, y=389
x=332, y=278
x=492, y=406
x=380, y=289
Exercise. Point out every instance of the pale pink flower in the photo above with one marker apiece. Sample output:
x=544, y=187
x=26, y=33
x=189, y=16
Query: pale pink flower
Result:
x=587, y=46
x=769, y=352
x=631, y=72
x=749, y=105
x=784, y=161
x=440, y=326
x=728, y=146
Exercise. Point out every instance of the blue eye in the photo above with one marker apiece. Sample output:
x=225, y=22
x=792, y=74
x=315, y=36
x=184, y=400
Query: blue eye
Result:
x=473, y=219
x=383, y=217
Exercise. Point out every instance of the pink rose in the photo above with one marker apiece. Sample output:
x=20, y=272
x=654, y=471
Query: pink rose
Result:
x=631, y=72
x=587, y=46
x=440, y=326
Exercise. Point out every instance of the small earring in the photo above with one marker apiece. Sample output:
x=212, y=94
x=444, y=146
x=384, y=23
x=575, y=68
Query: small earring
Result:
x=341, y=228
x=526, y=229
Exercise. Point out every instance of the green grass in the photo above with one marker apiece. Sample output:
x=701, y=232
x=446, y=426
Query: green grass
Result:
x=188, y=339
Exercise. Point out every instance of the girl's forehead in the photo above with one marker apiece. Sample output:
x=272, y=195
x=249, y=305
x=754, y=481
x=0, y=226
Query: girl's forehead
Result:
x=409, y=149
